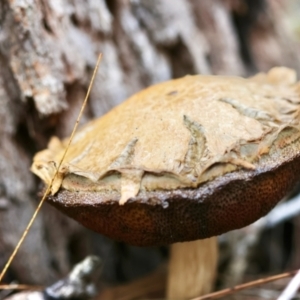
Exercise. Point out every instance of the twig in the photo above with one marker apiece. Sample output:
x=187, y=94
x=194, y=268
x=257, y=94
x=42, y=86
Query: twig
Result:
x=292, y=288
x=20, y=287
x=243, y=286
x=52, y=180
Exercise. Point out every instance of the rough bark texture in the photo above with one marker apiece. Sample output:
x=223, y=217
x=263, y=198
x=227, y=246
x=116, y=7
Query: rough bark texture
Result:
x=47, y=52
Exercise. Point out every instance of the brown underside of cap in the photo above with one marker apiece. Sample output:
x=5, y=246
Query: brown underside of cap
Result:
x=153, y=218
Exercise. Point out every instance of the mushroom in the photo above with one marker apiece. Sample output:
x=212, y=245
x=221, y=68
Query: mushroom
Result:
x=184, y=160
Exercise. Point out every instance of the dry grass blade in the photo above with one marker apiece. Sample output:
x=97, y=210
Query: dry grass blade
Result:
x=243, y=286
x=51, y=183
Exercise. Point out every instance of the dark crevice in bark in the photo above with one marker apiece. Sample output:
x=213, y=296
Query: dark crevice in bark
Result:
x=181, y=60
x=245, y=17
x=112, y=6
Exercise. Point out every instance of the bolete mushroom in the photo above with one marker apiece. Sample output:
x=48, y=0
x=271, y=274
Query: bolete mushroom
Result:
x=183, y=160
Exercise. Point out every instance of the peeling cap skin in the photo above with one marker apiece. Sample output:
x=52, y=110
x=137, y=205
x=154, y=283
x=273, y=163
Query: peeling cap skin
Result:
x=182, y=160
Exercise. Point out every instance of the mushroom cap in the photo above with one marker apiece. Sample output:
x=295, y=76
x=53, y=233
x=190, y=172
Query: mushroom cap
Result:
x=185, y=159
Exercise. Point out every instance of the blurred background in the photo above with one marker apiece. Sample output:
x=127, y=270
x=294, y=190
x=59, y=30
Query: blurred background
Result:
x=48, y=50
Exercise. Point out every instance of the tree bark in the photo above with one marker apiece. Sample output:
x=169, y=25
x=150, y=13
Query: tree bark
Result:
x=48, y=50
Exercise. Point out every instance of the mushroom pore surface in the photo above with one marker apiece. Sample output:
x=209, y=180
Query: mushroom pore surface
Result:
x=183, y=160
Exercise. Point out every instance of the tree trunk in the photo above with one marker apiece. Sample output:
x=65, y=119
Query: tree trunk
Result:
x=47, y=53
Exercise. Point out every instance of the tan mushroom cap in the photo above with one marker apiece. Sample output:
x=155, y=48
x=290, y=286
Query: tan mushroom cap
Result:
x=173, y=151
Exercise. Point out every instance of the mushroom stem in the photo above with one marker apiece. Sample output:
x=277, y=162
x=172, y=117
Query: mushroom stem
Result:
x=192, y=268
